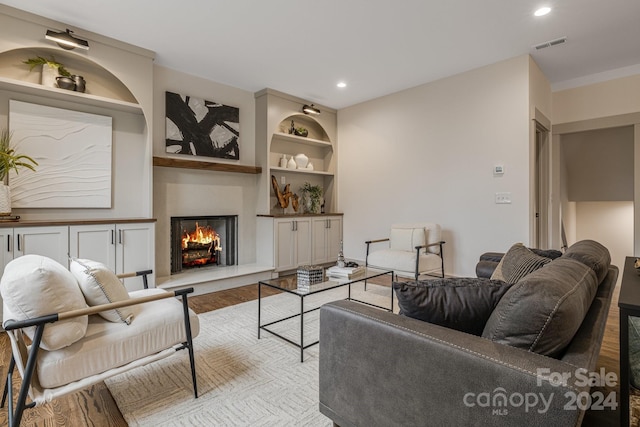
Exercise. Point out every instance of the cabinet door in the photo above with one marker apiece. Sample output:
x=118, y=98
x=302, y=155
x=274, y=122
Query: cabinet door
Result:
x=52, y=242
x=333, y=238
x=325, y=239
x=94, y=242
x=6, y=247
x=303, y=242
x=319, y=240
x=284, y=245
x=135, y=251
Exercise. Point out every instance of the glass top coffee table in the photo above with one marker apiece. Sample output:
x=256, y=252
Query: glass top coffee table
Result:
x=289, y=284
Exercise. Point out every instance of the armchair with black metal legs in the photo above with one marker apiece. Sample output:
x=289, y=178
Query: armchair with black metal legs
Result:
x=413, y=250
x=162, y=325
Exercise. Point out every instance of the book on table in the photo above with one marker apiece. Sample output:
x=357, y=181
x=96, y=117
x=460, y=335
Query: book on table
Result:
x=344, y=272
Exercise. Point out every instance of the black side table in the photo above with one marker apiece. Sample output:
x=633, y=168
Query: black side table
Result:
x=629, y=305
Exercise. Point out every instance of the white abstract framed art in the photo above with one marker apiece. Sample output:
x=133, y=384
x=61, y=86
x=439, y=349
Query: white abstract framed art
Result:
x=73, y=151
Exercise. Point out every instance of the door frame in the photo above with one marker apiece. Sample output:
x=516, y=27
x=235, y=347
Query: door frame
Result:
x=629, y=119
x=541, y=178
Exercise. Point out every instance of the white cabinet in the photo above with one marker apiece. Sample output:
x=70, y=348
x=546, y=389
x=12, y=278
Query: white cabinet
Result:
x=48, y=241
x=292, y=243
x=6, y=247
x=52, y=242
x=125, y=248
x=325, y=237
x=95, y=242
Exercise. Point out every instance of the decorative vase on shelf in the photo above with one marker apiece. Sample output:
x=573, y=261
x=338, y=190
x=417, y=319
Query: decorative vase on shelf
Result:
x=291, y=164
x=5, y=200
x=301, y=160
x=81, y=84
x=283, y=161
x=49, y=75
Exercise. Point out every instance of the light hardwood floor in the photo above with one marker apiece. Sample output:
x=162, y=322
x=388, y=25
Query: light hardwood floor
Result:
x=95, y=406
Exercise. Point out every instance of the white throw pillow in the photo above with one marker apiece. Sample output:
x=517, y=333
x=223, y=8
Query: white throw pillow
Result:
x=33, y=286
x=100, y=285
x=406, y=239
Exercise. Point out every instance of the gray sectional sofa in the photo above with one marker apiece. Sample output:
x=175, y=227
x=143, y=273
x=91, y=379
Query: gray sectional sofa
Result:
x=383, y=369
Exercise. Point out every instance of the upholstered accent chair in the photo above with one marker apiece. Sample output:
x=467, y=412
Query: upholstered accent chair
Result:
x=413, y=249
x=83, y=327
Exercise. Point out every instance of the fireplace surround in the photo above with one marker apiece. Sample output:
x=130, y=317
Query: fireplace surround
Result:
x=203, y=241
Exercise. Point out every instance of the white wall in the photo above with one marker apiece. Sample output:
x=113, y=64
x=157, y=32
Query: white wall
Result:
x=610, y=223
x=599, y=164
x=183, y=192
x=611, y=100
x=427, y=153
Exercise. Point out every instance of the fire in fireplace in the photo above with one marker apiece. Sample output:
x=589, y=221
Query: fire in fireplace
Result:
x=200, y=246
x=203, y=241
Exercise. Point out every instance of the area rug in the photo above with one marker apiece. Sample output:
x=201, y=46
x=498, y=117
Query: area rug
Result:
x=242, y=380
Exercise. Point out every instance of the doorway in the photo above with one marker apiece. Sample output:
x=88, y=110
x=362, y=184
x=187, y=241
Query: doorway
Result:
x=596, y=185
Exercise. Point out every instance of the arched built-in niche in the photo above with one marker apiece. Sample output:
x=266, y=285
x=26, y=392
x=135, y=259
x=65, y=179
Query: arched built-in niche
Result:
x=101, y=83
x=106, y=95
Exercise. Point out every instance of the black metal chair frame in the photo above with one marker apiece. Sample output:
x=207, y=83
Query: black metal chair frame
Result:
x=15, y=413
x=417, y=248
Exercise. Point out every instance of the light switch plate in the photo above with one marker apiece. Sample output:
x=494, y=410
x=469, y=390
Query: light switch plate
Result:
x=503, y=198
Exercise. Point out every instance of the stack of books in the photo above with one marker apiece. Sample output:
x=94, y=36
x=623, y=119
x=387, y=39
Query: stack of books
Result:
x=344, y=272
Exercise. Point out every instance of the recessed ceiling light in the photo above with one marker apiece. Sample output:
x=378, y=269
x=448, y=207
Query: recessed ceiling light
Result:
x=341, y=84
x=542, y=11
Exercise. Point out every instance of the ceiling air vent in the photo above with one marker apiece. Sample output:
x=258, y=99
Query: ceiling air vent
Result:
x=550, y=43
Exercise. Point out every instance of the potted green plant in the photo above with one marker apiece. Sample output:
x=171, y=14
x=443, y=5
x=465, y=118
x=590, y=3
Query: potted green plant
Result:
x=311, y=197
x=9, y=159
x=50, y=69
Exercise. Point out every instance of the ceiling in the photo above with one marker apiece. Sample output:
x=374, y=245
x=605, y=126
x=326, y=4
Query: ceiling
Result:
x=377, y=47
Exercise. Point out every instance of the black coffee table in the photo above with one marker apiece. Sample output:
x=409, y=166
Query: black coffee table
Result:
x=289, y=283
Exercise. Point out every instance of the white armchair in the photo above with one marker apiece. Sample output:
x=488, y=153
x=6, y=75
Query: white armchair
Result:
x=414, y=249
x=84, y=327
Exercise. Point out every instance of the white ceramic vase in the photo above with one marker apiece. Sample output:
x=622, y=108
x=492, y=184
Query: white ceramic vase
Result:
x=49, y=75
x=5, y=200
x=301, y=161
x=291, y=164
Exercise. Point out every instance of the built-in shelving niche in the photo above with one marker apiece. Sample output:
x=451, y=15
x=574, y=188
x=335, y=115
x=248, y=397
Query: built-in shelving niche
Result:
x=317, y=146
x=103, y=88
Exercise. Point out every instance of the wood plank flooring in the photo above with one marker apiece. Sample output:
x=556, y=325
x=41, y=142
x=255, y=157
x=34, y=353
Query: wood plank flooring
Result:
x=95, y=406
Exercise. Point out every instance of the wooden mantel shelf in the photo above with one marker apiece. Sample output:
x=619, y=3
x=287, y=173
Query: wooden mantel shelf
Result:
x=210, y=166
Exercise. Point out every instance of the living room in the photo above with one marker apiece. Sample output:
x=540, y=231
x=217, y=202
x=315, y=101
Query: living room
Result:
x=426, y=151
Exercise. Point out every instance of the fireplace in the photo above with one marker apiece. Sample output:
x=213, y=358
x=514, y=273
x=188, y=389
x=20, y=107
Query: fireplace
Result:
x=203, y=241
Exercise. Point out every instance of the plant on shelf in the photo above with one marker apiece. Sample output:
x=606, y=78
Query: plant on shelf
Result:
x=52, y=63
x=9, y=160
x=50, y=69
x=300, y=131
x=311, y=197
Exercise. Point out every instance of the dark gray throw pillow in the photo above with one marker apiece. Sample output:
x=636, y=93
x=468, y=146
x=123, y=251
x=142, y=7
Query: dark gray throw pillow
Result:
x=463, y=304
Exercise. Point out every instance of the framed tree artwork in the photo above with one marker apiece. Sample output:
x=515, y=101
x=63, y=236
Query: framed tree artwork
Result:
x=197, y=127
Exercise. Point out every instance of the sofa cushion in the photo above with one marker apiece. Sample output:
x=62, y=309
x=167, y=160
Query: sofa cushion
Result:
x=517, y=263
x=463, y=304
x=542, y=312
x=109, y=345
x=34, y=285
x=406, y=239
x=100, y=285
x=593, y=255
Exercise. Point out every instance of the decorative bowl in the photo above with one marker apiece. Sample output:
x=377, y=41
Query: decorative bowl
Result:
x=66, y=83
